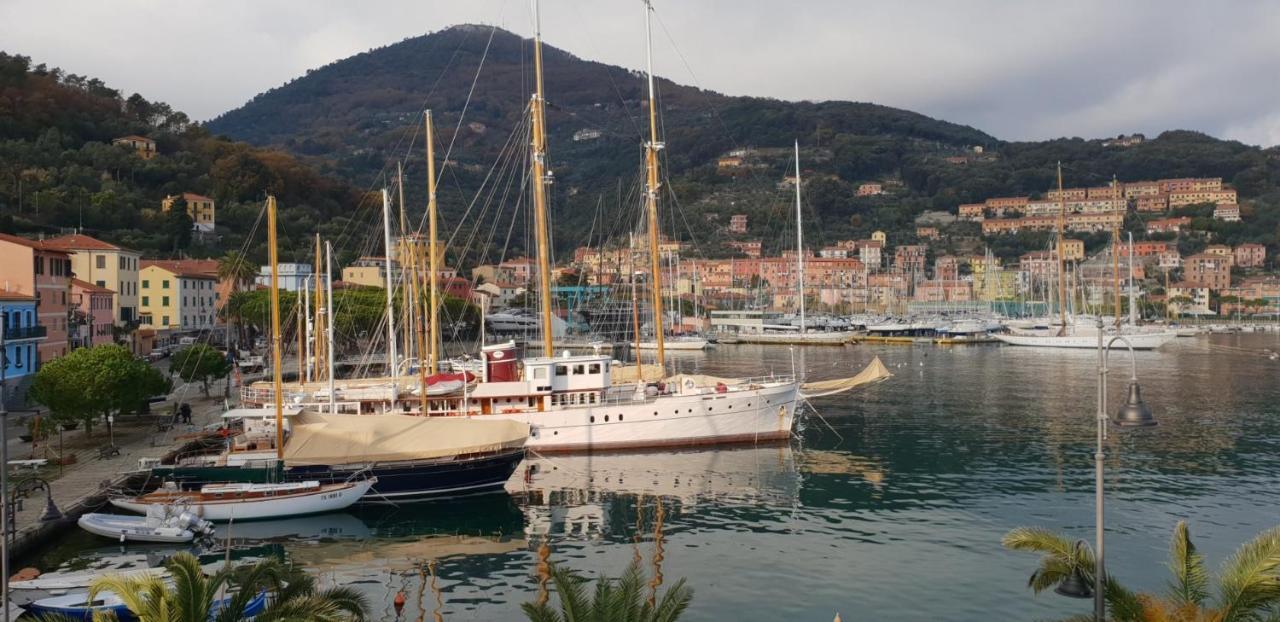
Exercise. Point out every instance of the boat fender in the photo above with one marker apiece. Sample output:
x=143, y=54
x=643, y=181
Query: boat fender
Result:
x=689, y=383
x=721, y=388
x=398, y=603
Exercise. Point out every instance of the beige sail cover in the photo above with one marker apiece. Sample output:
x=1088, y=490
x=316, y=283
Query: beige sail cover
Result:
x=626, y=374
x=701, y=380
x=348, y=439
x=875, y=371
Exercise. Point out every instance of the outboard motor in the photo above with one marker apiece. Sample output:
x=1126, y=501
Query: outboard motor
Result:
x=188, y=520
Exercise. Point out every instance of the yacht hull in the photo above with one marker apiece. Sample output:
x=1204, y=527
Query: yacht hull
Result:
x=1141, y=341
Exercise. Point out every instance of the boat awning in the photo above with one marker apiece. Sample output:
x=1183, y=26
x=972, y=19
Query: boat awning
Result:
x=320, y=439
x=260, y=413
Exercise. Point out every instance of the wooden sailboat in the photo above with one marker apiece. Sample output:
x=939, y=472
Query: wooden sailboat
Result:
x=245, y=501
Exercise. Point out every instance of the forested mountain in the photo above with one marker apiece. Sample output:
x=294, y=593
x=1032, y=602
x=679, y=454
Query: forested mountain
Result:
x=357, y=115
x=59, y=170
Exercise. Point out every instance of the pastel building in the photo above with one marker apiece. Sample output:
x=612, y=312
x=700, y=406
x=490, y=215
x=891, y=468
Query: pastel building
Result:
x=91, y=315
x=105, y=265
x=22, y=338
x=178, y=296
x=294, y=277
x=199, y=207
x=32, y=268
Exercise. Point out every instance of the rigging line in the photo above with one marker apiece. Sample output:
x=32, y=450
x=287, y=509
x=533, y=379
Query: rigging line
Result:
x=463, y=114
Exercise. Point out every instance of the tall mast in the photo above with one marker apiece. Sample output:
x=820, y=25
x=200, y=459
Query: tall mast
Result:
x=301, y=328
x=1115, y=253
x=393, y=361
x=651, y=149
x=328, y=269
x=1062, y=275
x=540, y=179
x=277, y=384
x=409, y=300
x=305, y=297
x=635, y=304
x=799, y=241
x=318, y=328
x=433, y=314
x=1133, y=295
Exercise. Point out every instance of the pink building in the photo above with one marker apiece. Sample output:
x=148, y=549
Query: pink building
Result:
x=92, y=314
x=738, y=223
x=1250, y=255
x=34, y=269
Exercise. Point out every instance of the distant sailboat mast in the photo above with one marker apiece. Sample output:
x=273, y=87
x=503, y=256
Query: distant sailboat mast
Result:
x=799, y=242
x=276, y=379
x=1133, y=302
x=393, y=361
x=1062, y=275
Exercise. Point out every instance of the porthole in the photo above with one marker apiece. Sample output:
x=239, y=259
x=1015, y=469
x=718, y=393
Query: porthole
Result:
x=619, y=417
x=690, y=410
x=655, y=413
x=593, y=418
x=606, y=418
x=555, y=433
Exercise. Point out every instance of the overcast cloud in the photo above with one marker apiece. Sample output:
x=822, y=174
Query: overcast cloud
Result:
x=1016, y=69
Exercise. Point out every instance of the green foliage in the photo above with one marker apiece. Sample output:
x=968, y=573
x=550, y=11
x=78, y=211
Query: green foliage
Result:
x=55, y=144
x=1248, y=582
x=623, y=600
x=96, y=382
x=200, y=363
x=189, y=595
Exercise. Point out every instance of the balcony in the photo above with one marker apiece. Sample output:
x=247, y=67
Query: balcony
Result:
x=25, y=332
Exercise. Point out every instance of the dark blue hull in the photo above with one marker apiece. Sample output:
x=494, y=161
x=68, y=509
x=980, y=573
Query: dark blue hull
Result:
x=412, y=480
x=396, y=480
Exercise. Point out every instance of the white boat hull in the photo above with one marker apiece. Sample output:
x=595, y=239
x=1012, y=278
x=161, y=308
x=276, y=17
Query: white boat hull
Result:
x=132, y=529
x=323, y=499
x=735, y=416
x=829, y=339
x=1139, y=341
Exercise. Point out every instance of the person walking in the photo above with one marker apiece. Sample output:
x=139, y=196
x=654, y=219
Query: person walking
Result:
x=186, y=412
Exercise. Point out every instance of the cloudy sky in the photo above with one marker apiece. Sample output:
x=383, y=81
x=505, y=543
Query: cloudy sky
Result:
x=1019, y=69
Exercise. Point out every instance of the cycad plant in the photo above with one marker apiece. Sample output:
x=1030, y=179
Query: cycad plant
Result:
x=621, y=600
x=1247, y=590
x=188, y=595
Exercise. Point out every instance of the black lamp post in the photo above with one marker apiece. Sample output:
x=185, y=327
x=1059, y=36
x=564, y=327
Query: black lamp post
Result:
x=1135, y=413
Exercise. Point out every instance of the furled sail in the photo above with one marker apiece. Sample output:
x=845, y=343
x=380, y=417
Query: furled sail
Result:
x=874, y=372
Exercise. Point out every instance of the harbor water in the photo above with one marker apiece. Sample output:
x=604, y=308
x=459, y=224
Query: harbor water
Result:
x=888, y=505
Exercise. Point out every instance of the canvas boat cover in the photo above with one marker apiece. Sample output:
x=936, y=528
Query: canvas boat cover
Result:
x=320, y=439
x=874, y=372
x=626, y=374
x=701, y=380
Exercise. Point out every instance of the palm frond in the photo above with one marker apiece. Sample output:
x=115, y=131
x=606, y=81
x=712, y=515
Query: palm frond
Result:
x=347, y=601
x=1249, y=580
x=570, y=589
x=540, y=613
x=1125, y=606
x=673, y=602
x=1039, y=540
x=1190, y=583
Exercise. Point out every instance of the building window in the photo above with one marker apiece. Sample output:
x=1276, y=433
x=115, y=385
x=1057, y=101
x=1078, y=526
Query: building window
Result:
x=164, y=284
x=164, y=301
x=39, y=265
x=101, y=283
x=101, y=261
x=146, y=283
x=146, y=301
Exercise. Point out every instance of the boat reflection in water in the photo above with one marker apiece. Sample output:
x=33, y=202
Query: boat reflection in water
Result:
x=591, y=496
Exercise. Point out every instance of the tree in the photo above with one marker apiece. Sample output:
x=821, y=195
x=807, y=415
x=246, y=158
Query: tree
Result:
x=200, y=363
x=96, y=382
x=624, y=599
x=177, y=225
x=237, y=268
x=188, y=595
x=1248, y=583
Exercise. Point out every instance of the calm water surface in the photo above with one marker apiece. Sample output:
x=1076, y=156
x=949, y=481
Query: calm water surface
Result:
x=890, y=506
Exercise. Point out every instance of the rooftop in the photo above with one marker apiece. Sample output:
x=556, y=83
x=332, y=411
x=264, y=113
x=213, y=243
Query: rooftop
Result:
x=81, y=242
x=191, y=268
x=90, y=287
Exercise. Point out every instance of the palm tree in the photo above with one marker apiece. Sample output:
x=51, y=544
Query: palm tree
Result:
x=190, y=596
x=235, y=268
x=623, y=600
x=1248, y=582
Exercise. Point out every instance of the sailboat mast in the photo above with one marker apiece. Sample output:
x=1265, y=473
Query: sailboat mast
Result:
x=799, y=242
x=393, y=361
x=1062, y=275
x=409, y=300
x=1133, y=300
x=305, y=297
x=328, y=299
x=540, y=179
x=651, y=192
x=1115, y=253
x=635, y=303
x=277, y=382
x=433, y=314
x=318, y=328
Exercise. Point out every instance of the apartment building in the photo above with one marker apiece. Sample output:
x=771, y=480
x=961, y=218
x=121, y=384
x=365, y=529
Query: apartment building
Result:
x=34, y=269
x=105, y=265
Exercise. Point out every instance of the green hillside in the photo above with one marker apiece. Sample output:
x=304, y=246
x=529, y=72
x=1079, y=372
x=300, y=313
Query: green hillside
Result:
x=59, y=170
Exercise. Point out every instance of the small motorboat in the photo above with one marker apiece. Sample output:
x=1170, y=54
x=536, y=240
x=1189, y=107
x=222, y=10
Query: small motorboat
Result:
x=161, y=524
x=245, y=501
x=77, y=606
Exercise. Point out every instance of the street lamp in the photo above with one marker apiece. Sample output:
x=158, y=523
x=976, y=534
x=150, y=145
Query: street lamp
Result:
x=1135, y=413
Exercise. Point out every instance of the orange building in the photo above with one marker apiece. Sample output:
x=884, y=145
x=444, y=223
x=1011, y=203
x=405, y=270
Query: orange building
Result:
x=35, y=269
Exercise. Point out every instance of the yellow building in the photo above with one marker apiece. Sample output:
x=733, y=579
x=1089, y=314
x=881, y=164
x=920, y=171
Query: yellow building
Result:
x=105, y=265
x=1072, y=250
x=878, y=236
x=199, y=207
x=367, y=271
x=178, y=296
x=145, y=147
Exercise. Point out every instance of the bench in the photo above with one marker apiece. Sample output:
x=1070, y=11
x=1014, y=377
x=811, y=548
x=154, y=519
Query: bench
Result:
x=107, y=451
x=28, y=464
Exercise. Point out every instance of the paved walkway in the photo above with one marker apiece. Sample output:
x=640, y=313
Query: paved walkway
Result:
x=85, y=478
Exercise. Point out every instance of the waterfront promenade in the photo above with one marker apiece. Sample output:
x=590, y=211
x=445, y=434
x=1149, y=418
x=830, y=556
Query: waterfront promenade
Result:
x=78, y=487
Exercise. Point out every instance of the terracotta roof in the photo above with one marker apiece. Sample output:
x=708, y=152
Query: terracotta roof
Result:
x=81, y=242
x=12, y=295
x=90, y=287
x=134, y=137
x=192, y=268
x=29, y=243
x=191, y=196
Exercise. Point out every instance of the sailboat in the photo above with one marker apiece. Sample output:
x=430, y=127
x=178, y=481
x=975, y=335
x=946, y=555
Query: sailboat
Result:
x=247, y=501
x=802, y=335
x=1072, y=332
